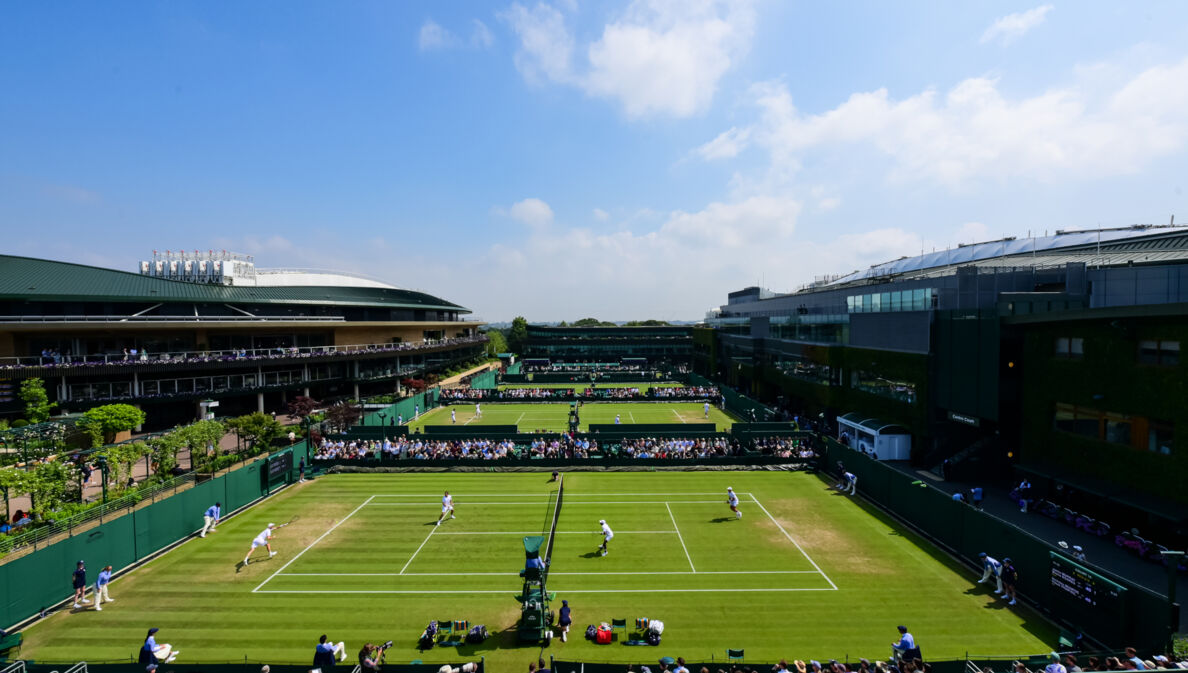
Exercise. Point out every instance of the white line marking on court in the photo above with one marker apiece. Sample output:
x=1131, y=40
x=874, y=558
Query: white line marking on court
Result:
x=659, y=572
x=539, y=495
x=632, y=416
x=567, y=502
x=311, y=544
x=682, y=418
x=512, y=590
x=560, y=532
x=793, y=541
x=520, y=418
x=418, y=551
x=680, y=537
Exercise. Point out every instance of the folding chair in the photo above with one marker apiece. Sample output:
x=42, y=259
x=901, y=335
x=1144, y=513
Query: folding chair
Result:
x=619, y=624
x=445, y=628
x=734, y=655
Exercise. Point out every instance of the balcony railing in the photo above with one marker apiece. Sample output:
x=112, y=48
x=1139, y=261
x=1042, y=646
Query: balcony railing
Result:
x=142, y=358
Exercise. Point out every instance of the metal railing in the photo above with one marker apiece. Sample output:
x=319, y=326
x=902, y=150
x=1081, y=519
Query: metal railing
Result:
x=37, y=537
x=229, y=355
x=19, y=319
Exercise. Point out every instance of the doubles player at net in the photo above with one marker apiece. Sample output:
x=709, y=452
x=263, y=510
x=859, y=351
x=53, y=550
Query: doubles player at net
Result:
x=447, y=507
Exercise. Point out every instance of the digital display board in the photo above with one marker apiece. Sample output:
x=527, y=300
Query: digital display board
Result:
x=279, y=466
x=1084, y=597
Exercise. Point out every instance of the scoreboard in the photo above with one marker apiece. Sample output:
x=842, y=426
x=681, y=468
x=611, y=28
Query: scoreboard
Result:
x=1093, y=602
x=279, y=467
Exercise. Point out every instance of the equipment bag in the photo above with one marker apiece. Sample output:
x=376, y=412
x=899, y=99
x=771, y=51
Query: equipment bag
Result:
x=652, y=637
x=591, y=632
x=603, y=637
x=477, y=634
x=656, y=626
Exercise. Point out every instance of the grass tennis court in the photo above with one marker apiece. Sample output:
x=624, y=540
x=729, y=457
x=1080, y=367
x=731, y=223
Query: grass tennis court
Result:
x=554, y=417
x=805, y=573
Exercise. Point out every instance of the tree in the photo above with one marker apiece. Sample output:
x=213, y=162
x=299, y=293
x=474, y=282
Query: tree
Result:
x=14, y=483
x=562, y=324
x=646, y=323
x=518, y=334
x=164, y=451
x=496, y=343
x=37, y=404
x=47, y=485
x=257, y=428
x=120, y=459
x=302, y=406
x=592, y=322
x=103, y=423
x=343, y=416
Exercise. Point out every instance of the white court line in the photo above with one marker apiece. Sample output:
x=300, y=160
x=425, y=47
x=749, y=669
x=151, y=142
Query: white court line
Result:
x=311, y=544
x=567, y=502
x=418, y=551
x=520, y=418
x=539, y=495
x=632, y=416
x=680, y=537
x=793, y=541
x=560, y=532
x=512, y=590
x=680, y=417
x=659, y=572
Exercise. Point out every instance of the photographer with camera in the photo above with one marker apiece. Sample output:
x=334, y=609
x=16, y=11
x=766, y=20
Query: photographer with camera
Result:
x=372, y=657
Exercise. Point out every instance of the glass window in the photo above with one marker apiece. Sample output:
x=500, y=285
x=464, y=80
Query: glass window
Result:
x=1066, y=417
x=918, y=300
x=1117, y=429
x=876, y=302
x=1062, y=345
x=1149, y=352
x=896, y=301
x=850, y=304
x=886, y=301
x=1077, y=346
x=1169, y=352
x=1159, y=437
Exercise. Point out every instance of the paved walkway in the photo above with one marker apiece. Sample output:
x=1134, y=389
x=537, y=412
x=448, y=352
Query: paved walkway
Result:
x=1100, y=551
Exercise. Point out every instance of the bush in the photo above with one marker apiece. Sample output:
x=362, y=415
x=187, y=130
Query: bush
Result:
x=19, y=423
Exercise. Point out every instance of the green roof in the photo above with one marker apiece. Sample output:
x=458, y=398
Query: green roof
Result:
x=26, y=278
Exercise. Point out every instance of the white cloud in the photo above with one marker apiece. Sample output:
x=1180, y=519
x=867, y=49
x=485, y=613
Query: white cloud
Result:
x=600, y=215
x=659, y=58
x=828, y=203
x=481, y=35
x=546, y=47
x=727, y=145
x=1007, y=29
x=975, y=132
x=433, y=36
x=532, y=212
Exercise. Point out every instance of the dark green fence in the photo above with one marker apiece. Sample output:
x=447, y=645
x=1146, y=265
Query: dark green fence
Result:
x=1140, y=618
x=484, y=380
x=41, y=579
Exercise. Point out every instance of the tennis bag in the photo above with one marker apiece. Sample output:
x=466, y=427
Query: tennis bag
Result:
x=655, y=628
x=477, y=634
x=591, y=632
x=428, y=637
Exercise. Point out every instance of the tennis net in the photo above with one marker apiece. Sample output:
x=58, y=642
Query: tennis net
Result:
x=556, y=515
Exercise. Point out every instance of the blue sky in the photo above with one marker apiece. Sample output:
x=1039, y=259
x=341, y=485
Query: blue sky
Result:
x=562, y=159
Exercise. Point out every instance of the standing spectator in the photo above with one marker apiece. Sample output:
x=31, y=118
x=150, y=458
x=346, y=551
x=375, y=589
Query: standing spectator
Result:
x=301, y=470
x=564, y=620
x=991, y=566
x=101, y=583
x=292, y=437
x=80, y=585
x=975, y=496
x=1010, y=577
x=211, y=518
x=1024, y=495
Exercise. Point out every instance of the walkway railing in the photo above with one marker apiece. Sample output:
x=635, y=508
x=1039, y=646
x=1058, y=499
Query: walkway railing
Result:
x=231, y=355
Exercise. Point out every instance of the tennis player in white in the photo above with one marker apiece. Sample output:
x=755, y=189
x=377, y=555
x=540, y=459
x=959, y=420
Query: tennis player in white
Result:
x=478, y=410
x=262, y=540
x=707, y=409
x=453, y=416
x=607, y=536
x=732, y=498
x=447, y=506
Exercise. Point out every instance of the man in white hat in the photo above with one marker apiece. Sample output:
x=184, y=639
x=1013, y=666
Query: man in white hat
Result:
x=262, y=540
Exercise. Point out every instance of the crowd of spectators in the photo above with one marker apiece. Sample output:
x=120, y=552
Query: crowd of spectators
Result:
x=709, y=392
x=558, y=446
x=593, y=392
x=55, y=358
x=572, y=368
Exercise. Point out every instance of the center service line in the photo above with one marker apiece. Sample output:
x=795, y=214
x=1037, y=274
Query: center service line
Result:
x=418, y=551
x=678, y=532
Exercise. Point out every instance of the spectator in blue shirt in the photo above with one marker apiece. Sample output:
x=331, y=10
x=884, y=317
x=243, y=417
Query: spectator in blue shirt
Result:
x=975, y=496
x=325, y=652
x=101, y=595
x=906, y=647
x=211, y=518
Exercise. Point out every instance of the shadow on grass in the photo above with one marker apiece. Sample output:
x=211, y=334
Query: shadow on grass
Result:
x=1033, y=622
x=722, y=519
x=593, y=554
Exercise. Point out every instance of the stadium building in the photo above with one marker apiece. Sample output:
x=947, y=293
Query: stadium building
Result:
x=191, y=327
x=1058, y=356
x=656, y=347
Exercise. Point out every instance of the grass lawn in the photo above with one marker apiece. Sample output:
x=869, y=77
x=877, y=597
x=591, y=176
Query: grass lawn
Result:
x=804, y=574
x=554, y=417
